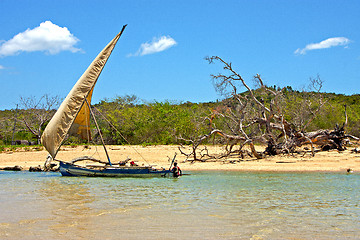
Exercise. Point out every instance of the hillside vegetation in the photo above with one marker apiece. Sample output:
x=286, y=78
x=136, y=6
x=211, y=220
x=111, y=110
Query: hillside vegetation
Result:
x=170, y=122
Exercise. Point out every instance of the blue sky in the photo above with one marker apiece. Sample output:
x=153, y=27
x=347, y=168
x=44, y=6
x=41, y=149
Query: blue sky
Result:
x=46, y=45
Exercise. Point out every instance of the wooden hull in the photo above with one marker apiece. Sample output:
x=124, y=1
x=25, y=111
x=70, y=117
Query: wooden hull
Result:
x=67, y=169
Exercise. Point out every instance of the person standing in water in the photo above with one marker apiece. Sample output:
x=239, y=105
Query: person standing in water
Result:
x=176, y=170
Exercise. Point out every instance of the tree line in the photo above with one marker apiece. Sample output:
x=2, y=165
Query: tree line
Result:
x=258, y=114
x=168, y=122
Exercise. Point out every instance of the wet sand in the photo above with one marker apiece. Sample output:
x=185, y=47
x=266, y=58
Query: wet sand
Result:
x=329, y=161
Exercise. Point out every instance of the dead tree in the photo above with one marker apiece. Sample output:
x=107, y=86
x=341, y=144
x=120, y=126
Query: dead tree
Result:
x=258, y=116
x=36, y=113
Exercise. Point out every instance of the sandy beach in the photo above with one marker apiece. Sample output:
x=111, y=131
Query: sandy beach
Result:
x=329, y=161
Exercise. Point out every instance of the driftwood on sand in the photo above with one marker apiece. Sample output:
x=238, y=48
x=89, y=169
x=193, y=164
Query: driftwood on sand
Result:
x=248, y=119
x=15, y=168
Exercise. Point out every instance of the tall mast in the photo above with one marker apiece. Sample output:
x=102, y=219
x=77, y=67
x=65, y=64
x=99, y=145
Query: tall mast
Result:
x=97, y=127
x=71, y=114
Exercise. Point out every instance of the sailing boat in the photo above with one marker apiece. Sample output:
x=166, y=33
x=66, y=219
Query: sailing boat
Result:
x=73, y=119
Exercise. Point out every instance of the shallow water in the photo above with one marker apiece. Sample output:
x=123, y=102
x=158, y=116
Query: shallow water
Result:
x=204, y=205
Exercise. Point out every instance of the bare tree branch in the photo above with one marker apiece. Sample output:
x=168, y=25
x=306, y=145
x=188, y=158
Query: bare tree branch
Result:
x=37, y=112
x=260, y=116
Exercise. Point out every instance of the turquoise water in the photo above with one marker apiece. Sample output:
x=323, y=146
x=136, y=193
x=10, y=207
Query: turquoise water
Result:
x=203, y=205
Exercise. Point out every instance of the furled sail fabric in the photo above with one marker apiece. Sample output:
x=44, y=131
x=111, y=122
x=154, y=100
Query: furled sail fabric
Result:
x=73, y=113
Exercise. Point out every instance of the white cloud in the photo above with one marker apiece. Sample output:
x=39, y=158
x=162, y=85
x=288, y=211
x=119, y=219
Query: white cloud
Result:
x=328, y=43
x=47, y=37
x=156, y=45
x=2, y=67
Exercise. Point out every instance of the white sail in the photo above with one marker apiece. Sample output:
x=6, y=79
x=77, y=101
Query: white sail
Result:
x=73, y=117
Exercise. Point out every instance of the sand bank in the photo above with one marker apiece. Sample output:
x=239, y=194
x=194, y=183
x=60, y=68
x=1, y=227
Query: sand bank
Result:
x=330, y=161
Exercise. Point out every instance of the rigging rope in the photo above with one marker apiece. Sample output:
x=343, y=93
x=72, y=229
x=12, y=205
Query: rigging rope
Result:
x=112, y=125
x=88, y=134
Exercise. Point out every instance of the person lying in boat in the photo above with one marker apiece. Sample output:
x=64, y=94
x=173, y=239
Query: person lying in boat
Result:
x=133, y=164
x=123, y=163
x=176, y=170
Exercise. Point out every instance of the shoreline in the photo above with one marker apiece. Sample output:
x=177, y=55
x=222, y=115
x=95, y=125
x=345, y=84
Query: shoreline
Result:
x=160, y=155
